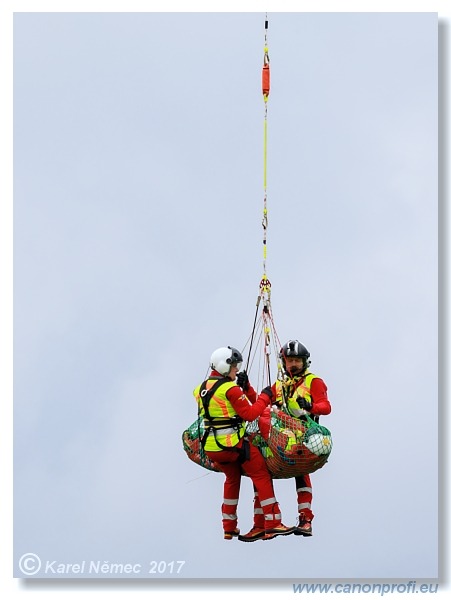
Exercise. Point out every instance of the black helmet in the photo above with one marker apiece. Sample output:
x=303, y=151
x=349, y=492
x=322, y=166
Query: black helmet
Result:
x=295, y=348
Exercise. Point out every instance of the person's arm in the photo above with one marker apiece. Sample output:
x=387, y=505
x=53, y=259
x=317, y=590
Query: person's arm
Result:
x=251, y=394
x=242, y=379
x=320, y=401
x=242, y=405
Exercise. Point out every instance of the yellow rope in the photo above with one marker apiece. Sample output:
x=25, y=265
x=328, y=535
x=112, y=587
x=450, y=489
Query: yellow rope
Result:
x=265, y=146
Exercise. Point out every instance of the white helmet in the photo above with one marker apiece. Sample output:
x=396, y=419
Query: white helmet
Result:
x=223, y=358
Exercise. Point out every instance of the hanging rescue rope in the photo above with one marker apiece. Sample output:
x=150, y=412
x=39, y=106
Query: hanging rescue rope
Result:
x=290, y=446
x=265, y=91
x=265, y=284
x=264, y=296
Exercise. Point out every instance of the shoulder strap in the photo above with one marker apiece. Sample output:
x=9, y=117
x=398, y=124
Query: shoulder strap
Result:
x=206, y=395
x=309, y=377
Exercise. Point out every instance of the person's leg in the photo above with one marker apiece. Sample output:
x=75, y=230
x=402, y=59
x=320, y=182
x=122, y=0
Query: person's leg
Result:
x=227, y=461
x=304, y=496
x=267, y=516
x=259, y=517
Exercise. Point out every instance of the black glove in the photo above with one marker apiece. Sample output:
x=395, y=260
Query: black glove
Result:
x=268, y=392
x=304, y=404
x=242, y=380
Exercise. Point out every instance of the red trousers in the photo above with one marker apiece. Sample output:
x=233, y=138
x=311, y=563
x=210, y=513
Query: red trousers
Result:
x=304, y=493
x=255, y=467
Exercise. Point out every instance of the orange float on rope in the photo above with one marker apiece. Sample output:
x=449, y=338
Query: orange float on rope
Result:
x=265, y=80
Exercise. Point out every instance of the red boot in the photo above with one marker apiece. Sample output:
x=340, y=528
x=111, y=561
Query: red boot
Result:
x=256, y=533
x=278, y=530
x=228, y=535
x=304, y=526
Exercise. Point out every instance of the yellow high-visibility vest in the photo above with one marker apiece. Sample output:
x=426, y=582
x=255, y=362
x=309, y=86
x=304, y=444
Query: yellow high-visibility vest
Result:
x=226, y=428
x=301, y=391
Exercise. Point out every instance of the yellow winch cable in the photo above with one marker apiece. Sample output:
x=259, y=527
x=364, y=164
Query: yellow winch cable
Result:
x=265, y=91
x=265, y=285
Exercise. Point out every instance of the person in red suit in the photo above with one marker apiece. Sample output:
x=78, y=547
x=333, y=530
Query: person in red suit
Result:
x=225, y=410
x=299, y=393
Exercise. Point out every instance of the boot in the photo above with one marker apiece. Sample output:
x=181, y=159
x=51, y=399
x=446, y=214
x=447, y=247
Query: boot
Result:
x=304, y=527
x=256, y=533
x=228, y=535
x=278, y=530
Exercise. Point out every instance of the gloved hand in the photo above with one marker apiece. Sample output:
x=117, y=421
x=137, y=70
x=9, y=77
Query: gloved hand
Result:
x=242, y=380
x=268, y=391
x=304, y=404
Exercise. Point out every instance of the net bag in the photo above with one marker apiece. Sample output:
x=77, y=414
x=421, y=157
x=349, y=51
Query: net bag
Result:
x=290, y=446
x=191, y=444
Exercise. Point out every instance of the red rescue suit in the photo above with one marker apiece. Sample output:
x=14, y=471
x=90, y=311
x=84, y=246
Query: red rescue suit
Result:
x=316, y=392
x=248, y=407
x=320, y=406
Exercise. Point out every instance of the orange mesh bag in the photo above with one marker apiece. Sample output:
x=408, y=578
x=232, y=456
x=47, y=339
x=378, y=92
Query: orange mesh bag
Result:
x=191, y=444
x=290, y=446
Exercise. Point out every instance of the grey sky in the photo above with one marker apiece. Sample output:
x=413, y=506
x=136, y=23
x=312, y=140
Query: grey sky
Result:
x=137, y=251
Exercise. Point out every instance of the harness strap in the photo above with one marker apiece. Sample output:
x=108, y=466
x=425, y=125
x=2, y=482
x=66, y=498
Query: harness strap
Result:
x=223, y=423
x=287, y=393
x=214, y=423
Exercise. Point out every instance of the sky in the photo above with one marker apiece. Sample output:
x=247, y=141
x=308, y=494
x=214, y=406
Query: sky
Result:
x=137, y=251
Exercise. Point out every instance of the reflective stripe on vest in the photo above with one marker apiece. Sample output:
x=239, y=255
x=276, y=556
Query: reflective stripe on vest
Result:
x=220, y=408
x=301, y=391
